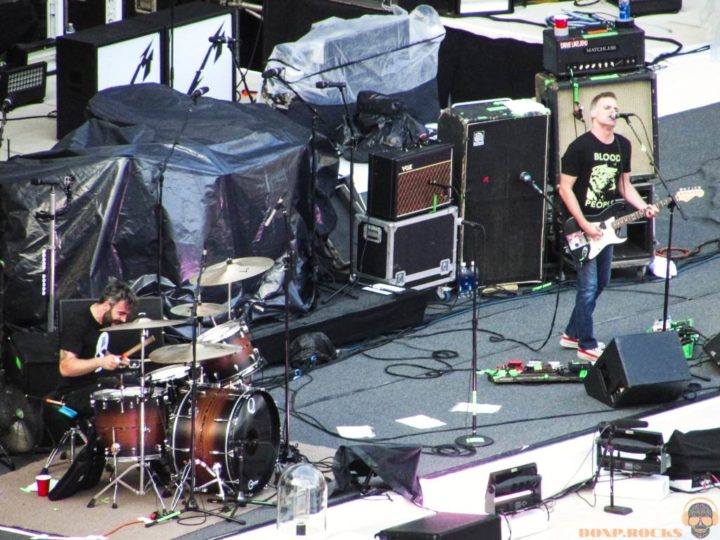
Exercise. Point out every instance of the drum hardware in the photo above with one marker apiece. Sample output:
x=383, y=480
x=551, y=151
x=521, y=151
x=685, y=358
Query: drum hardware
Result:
x=204, y=310
x=197, y=353
x=230, y=271
x=143, y=324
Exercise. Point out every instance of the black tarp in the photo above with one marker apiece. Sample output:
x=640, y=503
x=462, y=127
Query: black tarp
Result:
x=216, y=166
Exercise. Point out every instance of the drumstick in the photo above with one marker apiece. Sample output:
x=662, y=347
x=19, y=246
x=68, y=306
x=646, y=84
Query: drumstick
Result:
x=136, y=348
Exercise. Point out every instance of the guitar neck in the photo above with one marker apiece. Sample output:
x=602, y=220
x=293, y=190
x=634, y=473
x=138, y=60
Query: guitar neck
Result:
x=619, y=222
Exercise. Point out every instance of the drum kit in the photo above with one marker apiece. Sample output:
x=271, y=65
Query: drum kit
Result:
x=200, y=411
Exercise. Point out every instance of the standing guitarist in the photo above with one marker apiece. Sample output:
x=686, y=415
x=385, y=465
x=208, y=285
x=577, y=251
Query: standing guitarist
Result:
x=595, y=171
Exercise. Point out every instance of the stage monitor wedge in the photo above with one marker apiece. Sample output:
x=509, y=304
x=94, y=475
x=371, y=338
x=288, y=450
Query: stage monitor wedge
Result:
x=639, y=369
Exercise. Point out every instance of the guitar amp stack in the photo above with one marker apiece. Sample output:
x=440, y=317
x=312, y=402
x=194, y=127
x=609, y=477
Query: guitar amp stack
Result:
x=408, y=237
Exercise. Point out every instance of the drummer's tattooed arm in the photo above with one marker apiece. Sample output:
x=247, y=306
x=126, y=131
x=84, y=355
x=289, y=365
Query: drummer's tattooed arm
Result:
x=72, y=366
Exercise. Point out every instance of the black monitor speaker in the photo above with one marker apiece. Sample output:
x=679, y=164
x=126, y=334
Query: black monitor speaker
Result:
x=639, y=369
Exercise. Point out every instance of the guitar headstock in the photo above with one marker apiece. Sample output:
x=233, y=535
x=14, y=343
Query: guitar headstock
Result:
x=688, y=194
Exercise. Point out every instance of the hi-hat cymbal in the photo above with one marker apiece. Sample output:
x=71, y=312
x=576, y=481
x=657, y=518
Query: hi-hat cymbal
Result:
x=141, y=323
x=182, y=354
x=203, y=310
x=234, y=270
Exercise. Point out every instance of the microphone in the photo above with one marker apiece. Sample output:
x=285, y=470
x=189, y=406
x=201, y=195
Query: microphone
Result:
x=623, y=115
x=199, y=92
x=221, y=39
x=6, y=105
x=272, y=72
x=439, y=184
x=471, y=224
x=329, y=84
x=41, y=182
x=271, y=214
x=526, y=178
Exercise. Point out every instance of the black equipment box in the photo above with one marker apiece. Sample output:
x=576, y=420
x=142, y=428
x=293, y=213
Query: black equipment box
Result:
x=636, y=451
x=406, y=182
x=650, y=7
x=500, y=164
x=591, y=53
x=446, y=526
x=639, y=248
x=417, y=252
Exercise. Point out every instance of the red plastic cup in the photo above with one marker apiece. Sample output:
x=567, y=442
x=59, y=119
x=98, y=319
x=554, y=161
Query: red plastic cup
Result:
x=43, y=484
x=561, y=25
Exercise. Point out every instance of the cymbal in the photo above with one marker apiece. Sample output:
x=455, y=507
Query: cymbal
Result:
x=182, y=354
x=141, y=323
x=234, y=270
x=203, y=310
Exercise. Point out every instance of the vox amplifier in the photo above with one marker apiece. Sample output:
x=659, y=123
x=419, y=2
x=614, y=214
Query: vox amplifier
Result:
x=592, y=53
x=406, y=182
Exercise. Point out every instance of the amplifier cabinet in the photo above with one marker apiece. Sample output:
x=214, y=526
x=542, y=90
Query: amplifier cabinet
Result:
x=406, y=182
x=636, y=93
x=500, y=153
x=417, y=252
x=639, y=248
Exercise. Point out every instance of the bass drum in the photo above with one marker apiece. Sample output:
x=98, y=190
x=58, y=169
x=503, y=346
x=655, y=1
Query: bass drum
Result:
x=240, y=431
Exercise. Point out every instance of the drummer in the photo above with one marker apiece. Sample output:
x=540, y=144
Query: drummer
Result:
x=86, y=363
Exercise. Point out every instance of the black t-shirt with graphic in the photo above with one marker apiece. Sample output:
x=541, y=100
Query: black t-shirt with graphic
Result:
x=81, y=335
x=597, y=167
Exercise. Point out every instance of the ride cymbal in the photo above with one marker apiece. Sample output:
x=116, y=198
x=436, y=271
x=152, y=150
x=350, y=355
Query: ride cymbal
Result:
x=234, y=270
x=141, y=323
x=183, y=353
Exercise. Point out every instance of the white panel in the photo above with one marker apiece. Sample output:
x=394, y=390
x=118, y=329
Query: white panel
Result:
x=132, y=61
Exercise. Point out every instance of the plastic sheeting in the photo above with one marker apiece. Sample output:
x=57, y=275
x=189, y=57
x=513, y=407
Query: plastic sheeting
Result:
x=391, y=54
x=212, y=168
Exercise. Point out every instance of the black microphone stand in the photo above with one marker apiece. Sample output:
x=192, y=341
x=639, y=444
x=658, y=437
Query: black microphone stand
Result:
x=313, y=166
x=611, y=508
x=672, y=206
x=350, y=180
x=473, y=440
x=287, y=452
x=234, y=46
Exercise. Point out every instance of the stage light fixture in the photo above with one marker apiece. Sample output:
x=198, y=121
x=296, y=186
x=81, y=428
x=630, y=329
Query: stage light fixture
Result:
x=22, y=85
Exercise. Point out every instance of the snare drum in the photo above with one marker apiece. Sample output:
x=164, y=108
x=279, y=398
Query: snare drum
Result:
x=171, y=379
x=239, y=366
x=118, y=422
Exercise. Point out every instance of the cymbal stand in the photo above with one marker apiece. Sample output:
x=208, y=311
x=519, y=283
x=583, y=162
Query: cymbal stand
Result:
x=187, y=475
x=141, y=464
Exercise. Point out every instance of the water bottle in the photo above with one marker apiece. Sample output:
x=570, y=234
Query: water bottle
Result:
x=472, y=278
x=463, y=280
x=624, y=10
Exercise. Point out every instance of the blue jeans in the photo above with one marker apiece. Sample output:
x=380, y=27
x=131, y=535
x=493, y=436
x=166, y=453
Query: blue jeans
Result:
x=592, y=277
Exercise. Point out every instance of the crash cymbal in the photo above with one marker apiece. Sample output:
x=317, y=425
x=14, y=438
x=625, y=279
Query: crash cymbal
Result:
x=203, y=310
x=234, y=270
x=182, y=354
x=141, y=323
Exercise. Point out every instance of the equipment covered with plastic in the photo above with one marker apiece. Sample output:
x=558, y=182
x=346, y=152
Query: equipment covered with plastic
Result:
x=210, y=172
x=394, y=54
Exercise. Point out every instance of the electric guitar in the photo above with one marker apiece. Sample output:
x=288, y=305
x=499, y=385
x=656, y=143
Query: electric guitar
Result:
x=583, y=249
